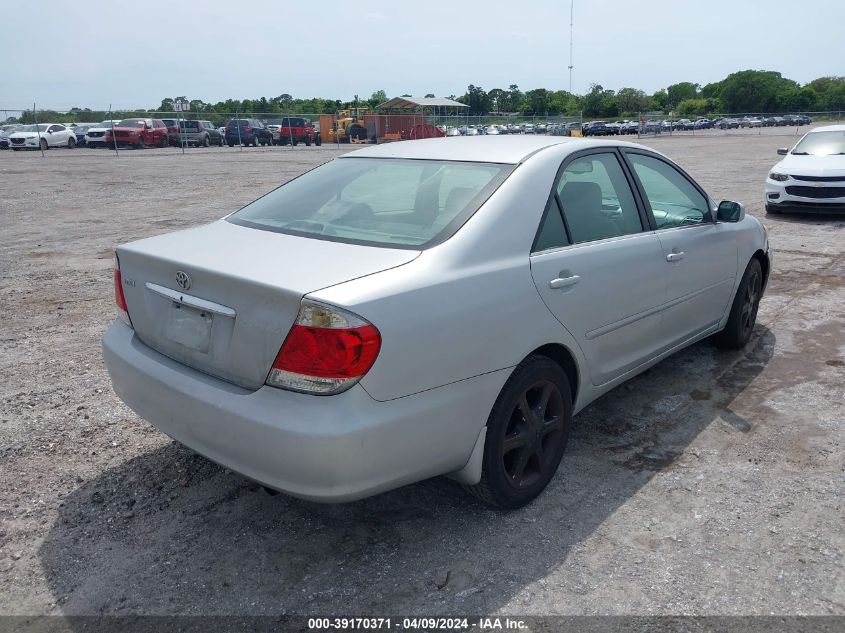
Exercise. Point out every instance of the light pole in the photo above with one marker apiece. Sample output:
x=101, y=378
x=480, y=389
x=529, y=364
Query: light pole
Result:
x=571, y=30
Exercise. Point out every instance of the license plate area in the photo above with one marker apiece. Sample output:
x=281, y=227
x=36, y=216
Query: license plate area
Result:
x=189, y=327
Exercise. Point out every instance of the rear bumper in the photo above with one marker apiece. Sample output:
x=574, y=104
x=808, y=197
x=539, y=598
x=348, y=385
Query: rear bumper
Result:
x=331, y=448
x=234, y=138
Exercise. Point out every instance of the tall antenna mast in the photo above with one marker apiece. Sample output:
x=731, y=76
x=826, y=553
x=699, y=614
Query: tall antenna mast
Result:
x=571, y=28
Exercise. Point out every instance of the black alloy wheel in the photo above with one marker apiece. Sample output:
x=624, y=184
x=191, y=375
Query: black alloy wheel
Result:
x=526, y=434
x=751, y=301
x=746, y=303
x=533, y=434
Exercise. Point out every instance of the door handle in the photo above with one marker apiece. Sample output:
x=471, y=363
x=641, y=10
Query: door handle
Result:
x=564, y=282
x=675, y=257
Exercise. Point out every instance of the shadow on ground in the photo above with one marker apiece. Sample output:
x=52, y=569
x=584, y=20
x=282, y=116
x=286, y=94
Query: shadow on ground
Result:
x=171, y=533
x=796, y=217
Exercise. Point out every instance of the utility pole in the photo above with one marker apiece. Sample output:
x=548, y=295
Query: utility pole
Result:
x=571, y=29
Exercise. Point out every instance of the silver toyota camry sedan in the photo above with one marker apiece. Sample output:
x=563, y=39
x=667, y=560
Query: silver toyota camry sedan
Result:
x=429, y=307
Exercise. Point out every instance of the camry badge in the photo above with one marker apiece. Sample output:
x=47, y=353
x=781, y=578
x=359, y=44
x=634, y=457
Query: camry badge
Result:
x=183, y=279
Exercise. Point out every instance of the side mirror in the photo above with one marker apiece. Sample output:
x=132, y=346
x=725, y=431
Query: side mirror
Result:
x=783, y=151
x=730, y=211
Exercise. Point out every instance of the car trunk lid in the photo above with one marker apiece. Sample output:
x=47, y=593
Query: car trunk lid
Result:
x=221, y=297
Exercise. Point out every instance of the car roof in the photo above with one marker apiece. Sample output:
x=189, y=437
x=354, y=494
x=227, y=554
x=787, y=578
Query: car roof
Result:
x=828, y=128
x=481, y=149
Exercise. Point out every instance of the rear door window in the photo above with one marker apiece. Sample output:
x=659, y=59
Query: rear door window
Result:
x=596, y=199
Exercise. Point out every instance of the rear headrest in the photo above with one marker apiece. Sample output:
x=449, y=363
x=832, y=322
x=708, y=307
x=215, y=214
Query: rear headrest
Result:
x=581, y=197
x=457, y=199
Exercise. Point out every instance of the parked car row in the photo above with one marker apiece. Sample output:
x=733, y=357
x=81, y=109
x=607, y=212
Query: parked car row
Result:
x=557, y=129
x=724, y=123
x=140, y=132
x=625, y=126
x=143, y=132
x=284, y=131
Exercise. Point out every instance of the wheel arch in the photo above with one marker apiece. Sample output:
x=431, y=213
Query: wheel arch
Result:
x=760, y=256
x=566, y=359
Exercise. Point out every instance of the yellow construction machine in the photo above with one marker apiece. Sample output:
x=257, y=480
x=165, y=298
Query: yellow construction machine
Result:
x=351, y=127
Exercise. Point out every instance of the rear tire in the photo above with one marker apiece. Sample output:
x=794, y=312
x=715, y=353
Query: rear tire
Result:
x=230, y=143
x=526, y=436
x=743, y=314
x=141, y=144
x=318, y=140
x=163, y=142
x=307, y=141
x=295, y=142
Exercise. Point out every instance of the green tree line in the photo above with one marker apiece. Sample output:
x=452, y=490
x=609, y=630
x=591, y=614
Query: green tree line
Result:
x=747, y=91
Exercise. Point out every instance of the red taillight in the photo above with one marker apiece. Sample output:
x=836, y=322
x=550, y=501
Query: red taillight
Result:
x=119, y=298
x=326, y=351
x=247, y=128
x=329, y=353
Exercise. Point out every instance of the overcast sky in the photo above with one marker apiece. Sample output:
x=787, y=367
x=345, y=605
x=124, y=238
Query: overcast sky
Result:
x=63, y=53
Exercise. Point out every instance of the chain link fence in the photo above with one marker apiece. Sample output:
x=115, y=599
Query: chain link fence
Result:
x=361, y=125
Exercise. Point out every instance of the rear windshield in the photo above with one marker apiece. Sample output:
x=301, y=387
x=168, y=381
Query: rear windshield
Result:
x=399, y=203
x=293, y=122
x=131, y=123
x=822, y=144
x=190, y=124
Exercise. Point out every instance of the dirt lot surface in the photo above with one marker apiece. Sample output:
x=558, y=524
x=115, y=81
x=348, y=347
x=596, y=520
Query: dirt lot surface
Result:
x=712, y=484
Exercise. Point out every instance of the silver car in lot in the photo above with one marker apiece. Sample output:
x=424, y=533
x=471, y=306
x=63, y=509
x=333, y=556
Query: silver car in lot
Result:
x=425, y=308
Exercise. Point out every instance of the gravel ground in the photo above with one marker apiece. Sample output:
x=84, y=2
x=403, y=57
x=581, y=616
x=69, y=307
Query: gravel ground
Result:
x=711, y=484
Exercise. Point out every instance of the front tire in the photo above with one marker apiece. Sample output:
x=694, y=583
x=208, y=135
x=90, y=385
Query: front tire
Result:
x=44, y=144
x=318, y=140
x=526, y=436
x=743, y=314
x=71, y=143
x=770, y=210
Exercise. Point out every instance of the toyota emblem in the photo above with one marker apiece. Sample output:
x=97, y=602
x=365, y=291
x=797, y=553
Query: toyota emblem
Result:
x=183, y=279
